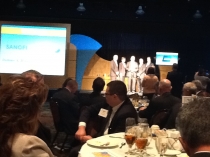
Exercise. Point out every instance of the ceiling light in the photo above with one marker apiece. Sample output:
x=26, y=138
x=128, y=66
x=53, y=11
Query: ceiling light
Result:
x=140, y=11
x=21, y=5
x=81, y=7
x=197, y=14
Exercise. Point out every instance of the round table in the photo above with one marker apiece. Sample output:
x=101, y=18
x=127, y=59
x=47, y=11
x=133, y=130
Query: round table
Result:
x=88, y=150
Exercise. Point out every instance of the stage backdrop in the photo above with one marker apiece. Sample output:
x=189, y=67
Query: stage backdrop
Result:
x=84, y=65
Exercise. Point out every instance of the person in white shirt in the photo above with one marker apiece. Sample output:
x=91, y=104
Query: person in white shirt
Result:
x=110, y=116
x=132, y=68
x=140, y=75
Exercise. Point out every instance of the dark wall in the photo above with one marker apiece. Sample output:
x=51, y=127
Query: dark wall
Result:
x=128, y=38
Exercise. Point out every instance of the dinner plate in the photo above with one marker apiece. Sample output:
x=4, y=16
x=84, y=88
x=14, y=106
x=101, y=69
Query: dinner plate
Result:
x=102, y=143
x=172, y=152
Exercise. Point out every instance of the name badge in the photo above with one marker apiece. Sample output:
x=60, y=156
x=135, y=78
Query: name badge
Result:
x=103, y=113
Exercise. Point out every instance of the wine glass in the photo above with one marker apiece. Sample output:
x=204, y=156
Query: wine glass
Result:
x=161, y=144
x=130, y=137
x=142, y=134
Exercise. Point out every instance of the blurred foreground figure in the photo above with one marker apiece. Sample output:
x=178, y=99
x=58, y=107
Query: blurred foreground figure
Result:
x=20, y=101
x=193, y=122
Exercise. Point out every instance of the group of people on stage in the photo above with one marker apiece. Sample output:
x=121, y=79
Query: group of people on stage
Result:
x=133, y=70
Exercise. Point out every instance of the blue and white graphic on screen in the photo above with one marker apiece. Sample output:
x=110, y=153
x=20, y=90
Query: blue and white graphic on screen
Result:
x=38, y=48
x=166, y=58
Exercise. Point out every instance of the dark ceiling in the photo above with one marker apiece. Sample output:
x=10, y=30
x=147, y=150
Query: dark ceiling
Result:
x=164, y=11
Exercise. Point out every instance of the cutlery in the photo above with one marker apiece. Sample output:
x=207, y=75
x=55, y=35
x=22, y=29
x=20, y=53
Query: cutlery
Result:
x=122, y=144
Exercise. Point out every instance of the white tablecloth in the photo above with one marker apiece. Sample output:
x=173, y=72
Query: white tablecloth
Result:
x=87, y=150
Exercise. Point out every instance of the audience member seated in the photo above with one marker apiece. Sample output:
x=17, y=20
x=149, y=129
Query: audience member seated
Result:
x=69, y=108
x=165, y=101
x=149, y=82
x=118, y=107
x=200, y=91
x=20, y=101
x=176, y=79
x=42, y=132
x=66, y=82
x=193, y=122
x=204, y=93
x=95, y=97
x=200, y=75
x=189, y=89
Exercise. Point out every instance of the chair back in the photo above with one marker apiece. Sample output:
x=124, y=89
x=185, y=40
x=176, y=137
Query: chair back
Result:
x=160, y=118
x=54, y=107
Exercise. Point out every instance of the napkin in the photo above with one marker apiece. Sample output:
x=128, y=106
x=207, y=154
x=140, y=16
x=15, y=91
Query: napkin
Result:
x=173, y=140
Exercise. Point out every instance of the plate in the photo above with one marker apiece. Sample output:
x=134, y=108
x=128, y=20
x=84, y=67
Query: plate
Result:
x=172, y=152
x=101, y=143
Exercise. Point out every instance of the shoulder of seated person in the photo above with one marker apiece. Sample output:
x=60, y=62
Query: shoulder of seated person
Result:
x=29, y=145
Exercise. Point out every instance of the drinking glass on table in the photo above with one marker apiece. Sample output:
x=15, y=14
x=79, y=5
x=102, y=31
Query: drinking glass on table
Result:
x=142, y=135
x=130, y=137
x=161, y=144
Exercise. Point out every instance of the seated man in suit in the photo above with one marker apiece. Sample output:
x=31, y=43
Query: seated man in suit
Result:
x=69, y=108
x=189, y=89
x=193, y=122
x=111, y=115
x=165, y=101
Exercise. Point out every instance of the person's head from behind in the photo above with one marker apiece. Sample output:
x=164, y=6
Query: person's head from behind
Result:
x=175, y=66
x=98, y=85
x=188, y=89
x=20, y=101
x=116, y=92
x=193, y=122
x=72, y=85
x=151, y=70
x=198, y=84
x=164, y=86
x=34, y=75
x=65, y=82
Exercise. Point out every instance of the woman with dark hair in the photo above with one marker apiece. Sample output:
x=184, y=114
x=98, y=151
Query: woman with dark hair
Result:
x=20, y=101
x=149, y=82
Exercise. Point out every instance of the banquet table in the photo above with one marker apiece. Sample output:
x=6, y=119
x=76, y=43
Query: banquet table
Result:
x=114, y=150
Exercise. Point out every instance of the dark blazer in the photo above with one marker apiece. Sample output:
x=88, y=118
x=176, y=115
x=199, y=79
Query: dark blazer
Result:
x=114, y=69
x=118, y=121
x=202, y=154
x=176, y=79
x=89, y=99
x=69, y=109
x=165, y=101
